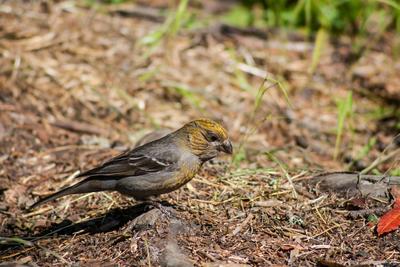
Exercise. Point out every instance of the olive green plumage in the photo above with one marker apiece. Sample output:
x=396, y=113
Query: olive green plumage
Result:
x=155, y=168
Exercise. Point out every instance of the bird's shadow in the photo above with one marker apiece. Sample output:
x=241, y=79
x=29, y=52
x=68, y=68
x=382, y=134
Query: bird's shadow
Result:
x=106, y=222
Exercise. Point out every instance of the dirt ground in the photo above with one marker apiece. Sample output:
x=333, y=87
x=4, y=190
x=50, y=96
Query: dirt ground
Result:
x=79, y=84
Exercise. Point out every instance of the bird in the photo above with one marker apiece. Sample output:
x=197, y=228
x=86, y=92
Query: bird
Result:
x=158, y=167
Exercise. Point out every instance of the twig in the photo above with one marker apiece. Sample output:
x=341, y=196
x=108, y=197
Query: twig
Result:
x=242, y=225
x=294, y=192
x=228, y=30
x=215, y=203
x=17, y=240
x=295, y=195
x=354, y=214
x=381, y=159
x=81, y=127
x=207, y=255
x=140, y=12
x=146, y=244
x=325, y=231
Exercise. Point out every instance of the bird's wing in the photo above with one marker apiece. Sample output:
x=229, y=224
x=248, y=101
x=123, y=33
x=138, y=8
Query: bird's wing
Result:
x=147, y=163
x=136, y=162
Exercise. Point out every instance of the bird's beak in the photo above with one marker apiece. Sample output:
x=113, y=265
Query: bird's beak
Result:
x=226, y=147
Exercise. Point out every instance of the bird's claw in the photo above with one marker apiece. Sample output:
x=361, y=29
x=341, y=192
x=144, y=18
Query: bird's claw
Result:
x=164, y=210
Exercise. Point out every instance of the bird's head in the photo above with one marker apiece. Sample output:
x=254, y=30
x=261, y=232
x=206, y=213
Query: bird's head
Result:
x=206, y=138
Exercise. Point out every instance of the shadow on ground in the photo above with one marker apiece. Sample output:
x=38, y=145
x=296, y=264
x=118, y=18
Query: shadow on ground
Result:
x=109, y=221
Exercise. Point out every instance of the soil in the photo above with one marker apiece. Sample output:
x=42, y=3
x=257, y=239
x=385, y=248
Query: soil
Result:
x=79, y=84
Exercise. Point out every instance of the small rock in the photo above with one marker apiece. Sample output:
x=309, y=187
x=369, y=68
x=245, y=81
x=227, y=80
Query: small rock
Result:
x=223, y=264
x=173, y=257
x=146, y=220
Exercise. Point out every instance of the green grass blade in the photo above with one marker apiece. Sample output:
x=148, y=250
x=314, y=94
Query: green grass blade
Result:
x=344, y=111
x=320, y=43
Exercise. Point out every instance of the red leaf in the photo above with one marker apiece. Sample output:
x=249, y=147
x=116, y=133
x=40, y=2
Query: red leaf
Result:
x=391, y=220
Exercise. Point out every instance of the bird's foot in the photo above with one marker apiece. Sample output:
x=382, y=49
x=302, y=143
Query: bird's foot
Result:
x=146, y=220
x=167, y=211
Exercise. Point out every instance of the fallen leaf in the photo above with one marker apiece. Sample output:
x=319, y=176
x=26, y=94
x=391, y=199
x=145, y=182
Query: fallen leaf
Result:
x=356, y=203
x=391, y=220
x=329, y=263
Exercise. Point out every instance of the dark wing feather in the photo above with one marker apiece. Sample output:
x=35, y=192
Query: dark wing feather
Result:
x=139, y=161
x=113, y=167
x=145, y=164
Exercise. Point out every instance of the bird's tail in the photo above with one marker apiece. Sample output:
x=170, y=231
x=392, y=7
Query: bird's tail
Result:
x=86, y=186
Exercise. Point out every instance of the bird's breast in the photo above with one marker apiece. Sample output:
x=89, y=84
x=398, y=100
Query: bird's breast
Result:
x=184, y=175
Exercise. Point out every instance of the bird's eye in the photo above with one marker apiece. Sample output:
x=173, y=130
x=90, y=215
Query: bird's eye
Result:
x=212, y=137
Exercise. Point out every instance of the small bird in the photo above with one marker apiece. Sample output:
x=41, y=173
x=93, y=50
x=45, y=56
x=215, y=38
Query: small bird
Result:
x=155, y=168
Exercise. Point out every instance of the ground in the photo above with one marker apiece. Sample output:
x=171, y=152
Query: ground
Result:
x=79, y=84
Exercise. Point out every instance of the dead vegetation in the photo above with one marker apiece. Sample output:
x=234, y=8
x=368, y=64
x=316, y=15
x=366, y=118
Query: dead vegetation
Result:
x=80, y=83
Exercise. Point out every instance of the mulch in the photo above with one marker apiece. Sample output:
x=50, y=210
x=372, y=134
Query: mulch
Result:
x=78, y=85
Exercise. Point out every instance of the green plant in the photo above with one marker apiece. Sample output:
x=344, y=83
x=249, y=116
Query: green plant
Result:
x=345, y=108
x=189, y=95
x=320, y=42
x=284, y=171
x=239, y=16
x=170, y=27
x=336, y=16
x=372, y=218
x=239, y=154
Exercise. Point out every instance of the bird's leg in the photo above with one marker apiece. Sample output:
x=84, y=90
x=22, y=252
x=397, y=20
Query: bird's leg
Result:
x=154, y=202
x=153, y=210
